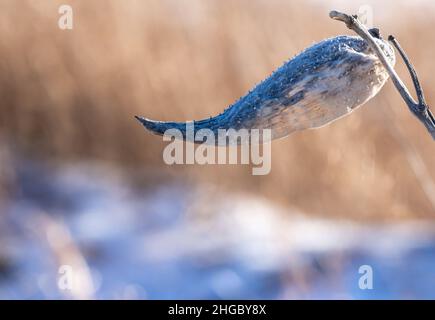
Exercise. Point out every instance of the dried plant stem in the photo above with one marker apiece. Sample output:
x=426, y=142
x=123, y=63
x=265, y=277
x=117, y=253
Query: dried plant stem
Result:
x=420, y=109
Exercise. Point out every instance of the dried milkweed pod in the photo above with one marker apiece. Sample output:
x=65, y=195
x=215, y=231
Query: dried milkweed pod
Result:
x=320, y=85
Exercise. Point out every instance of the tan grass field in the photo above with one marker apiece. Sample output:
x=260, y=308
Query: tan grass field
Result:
x=71, y=96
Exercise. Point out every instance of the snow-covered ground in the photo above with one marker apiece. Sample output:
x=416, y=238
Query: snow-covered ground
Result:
x=184, y=241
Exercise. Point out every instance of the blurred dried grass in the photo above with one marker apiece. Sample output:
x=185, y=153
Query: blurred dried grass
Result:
x=71, y=95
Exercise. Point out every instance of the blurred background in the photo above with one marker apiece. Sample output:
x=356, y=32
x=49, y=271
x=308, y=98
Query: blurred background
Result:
x=83, y=185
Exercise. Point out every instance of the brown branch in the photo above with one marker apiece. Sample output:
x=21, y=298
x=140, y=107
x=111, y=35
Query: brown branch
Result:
x=420, y=109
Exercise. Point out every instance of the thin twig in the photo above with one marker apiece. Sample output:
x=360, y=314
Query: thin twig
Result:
x=420, y=109
x=411, y=70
